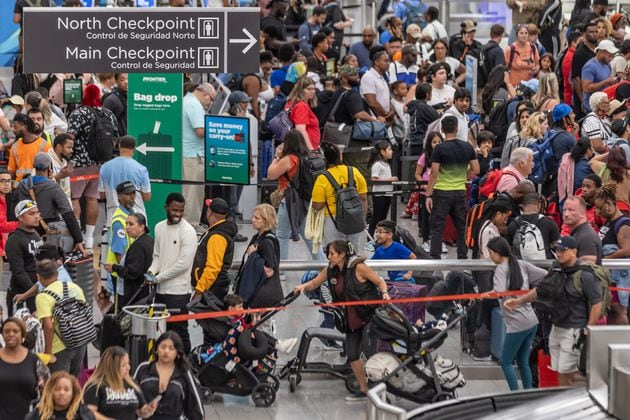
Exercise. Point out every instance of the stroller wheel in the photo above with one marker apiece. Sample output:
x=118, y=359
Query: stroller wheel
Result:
x=206, y=394
x=274, y=382
x=352, y=385
x=263, y=395
x=294, y=381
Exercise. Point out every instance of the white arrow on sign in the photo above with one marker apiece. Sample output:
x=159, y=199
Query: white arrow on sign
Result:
x=250, y=41
x=143, y=148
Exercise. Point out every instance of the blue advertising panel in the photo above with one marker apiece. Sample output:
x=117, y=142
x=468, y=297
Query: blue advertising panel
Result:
x=227, y=149
x=145, y=3
x=9, y=33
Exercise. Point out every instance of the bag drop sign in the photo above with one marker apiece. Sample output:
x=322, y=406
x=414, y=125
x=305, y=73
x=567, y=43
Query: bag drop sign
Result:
x=152, y=40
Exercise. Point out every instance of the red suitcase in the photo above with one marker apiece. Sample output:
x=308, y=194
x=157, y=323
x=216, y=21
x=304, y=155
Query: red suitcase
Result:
x=547, y=378
x=449, y=235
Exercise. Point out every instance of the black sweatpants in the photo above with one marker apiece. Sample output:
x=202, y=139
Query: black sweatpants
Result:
x=445, y=203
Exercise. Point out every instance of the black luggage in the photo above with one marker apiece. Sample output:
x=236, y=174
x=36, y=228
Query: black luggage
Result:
x=137, y=351
x=80, y=267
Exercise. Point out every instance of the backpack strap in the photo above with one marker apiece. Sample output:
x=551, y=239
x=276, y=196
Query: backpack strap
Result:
x=53, y=294
x=619, y=223
x=512, y=54
x=337, y=187
x=331, y=117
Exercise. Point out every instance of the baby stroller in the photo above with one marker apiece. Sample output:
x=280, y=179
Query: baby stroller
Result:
x=300, y=364
x=411, y=371
x=254, y=375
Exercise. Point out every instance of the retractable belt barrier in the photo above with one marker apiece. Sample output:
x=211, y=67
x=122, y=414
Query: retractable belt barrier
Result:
x=464, y=296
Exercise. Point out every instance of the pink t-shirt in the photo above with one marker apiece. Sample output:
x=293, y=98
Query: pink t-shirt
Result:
x=425, y=174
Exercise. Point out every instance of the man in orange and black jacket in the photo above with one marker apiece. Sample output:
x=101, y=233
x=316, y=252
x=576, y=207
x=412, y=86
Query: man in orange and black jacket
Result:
x=214, y=252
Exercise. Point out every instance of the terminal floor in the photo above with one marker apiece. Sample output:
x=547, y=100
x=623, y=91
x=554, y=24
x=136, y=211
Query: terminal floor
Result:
x=318, y=396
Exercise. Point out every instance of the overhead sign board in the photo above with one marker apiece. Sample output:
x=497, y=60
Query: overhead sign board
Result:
x=158, y=40
x=227, y=149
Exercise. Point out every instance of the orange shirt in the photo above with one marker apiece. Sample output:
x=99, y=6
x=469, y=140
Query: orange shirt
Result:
x=523, y=62
x=22, y=156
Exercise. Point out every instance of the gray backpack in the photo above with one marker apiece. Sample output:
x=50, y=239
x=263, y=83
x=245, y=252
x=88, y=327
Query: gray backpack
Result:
x=350, y=215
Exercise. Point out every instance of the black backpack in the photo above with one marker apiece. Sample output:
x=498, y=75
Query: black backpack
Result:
x=310, y=167
x=483, y=66
x=350, y=217
x=550, y=16
x=498, y=123
x=100, y=142
x=551, y=299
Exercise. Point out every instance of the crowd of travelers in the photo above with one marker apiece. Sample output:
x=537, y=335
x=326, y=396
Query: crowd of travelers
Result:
x=535, y=167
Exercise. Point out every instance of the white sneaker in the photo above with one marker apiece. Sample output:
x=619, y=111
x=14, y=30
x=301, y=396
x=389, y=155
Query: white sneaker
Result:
x=287, y=345
x=426, y=246
x=444, y=249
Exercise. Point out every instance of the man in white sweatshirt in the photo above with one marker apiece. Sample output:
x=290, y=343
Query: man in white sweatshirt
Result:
x=173, y=254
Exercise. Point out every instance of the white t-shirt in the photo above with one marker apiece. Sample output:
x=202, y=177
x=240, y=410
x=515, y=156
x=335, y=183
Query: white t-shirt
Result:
x=381, y=170
x=373, y=83
x=618, y=65
x=441, y=95
x=435, y=30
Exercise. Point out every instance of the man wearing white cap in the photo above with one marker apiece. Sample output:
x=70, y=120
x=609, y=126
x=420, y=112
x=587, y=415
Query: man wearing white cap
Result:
x=21, y=248
x=596, y=73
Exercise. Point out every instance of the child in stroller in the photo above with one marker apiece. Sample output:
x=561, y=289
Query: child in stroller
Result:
x=411, y=371
x=236, y=358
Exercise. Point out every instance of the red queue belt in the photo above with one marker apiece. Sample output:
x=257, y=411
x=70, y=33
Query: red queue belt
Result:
x=465, y=296
x=83, y=178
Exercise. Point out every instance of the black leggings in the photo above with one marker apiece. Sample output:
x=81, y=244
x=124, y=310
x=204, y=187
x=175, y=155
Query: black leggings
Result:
x=379, y=211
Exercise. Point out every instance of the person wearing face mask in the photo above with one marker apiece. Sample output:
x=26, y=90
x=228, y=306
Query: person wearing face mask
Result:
x=169, y=377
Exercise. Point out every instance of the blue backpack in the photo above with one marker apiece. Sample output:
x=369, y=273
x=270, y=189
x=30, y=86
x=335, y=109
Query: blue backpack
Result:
x=544, y=159
x=274, y=107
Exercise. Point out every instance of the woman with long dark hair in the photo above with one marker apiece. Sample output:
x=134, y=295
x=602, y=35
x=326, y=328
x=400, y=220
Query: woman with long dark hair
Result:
x=350, y=279
x=137, y=259
x=574, y=167
x=169, y=378
x=497, y=89
x=521, y=323
x=441, y=55
x=285, y=168
x=611, y=167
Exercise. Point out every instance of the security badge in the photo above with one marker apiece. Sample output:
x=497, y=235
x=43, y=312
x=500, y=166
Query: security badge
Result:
x=121, y=233
x=333, y=281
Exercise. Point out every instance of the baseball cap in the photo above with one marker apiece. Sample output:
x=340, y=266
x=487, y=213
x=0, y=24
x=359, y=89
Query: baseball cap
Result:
x=347, y=70
x=607, y=45
x=564, y=243
x=126, y=187
x=468, y=26
x=617, y=107
x=217, y=205
x=42, y=161
x=531, y=84
x=560, y=111
x=16, y=100
x=414, y=31
x=238, y=96
x=24, y=206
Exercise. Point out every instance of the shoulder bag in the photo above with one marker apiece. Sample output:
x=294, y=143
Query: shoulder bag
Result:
x=334, y=132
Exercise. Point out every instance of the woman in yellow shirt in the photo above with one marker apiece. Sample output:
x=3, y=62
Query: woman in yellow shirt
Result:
x=324, y=194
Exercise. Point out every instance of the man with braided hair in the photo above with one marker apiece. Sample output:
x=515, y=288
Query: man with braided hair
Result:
x=615, y=235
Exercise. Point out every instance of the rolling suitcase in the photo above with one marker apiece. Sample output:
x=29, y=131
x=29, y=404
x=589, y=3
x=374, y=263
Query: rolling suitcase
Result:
x=137, y=350
x=497, y=335
x=401, y=290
